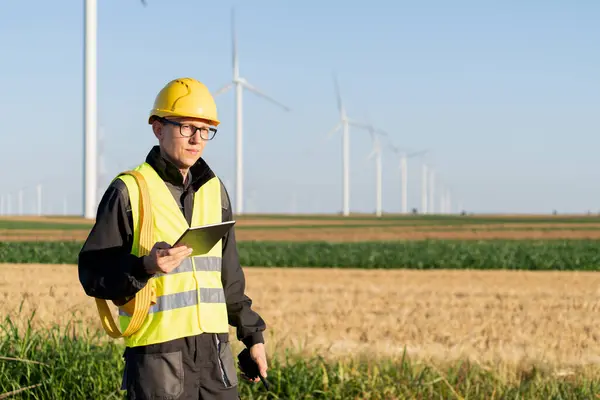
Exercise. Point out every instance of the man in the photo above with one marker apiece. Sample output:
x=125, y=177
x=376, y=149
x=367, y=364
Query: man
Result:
x=181, y=351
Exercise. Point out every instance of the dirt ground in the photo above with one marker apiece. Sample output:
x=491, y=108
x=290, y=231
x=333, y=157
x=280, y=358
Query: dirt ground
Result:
x=338, y=235
x=505, y=318
x=322, y=229
x=393, y=233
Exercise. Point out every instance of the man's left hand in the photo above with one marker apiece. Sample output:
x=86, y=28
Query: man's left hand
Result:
x=259, y=355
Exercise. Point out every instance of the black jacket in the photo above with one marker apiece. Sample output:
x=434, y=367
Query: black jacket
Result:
x=108, y=270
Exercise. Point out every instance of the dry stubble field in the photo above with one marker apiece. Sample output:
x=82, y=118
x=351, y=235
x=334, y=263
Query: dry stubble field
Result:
x=340, y=230
x=507, y=318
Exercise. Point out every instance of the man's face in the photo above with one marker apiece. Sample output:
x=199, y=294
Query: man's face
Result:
x=181, y=150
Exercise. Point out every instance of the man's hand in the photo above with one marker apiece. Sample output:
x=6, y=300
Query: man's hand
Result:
x=259, y=355
x=164, y=258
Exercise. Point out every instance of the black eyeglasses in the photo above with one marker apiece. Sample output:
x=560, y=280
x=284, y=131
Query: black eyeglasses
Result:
x=187, y=130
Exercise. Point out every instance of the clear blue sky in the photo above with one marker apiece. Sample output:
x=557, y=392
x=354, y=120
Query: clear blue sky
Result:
x=506, y=96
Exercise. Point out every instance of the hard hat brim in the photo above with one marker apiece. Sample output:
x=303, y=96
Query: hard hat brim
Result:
x=168, y=113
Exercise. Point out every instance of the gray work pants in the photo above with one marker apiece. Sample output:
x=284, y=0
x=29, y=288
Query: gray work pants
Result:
x=193, y=368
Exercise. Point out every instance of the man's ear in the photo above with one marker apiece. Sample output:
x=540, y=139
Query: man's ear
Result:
x=157, y=129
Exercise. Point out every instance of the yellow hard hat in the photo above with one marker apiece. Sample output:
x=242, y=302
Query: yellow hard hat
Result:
x=185, y=97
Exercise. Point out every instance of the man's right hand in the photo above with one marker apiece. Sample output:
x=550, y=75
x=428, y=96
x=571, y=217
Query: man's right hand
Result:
x=164, y=258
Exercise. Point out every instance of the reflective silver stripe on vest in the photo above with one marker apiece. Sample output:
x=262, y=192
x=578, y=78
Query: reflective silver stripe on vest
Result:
x=184, y=299
x=202, y=264
x=211, y=295
x=208, y=263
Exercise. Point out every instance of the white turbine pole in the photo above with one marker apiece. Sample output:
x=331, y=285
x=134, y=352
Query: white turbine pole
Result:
x=424, y=189
x=431, y=192
x=1, y=204
x=442, y=202
x=404, y=183
x=344, y=123
x=448, y=203
x=376, y=152
x=8, y=205
x=20, y=202
x=65, y=205
x=90, y=114
x=379, y=210
x=240, y=83
x=346, y=170
x=39, y=199
x=239, y=163
x=441, y=197
x=404, y=177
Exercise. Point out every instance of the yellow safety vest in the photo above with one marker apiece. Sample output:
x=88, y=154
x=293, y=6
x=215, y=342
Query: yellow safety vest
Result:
x=188, y=300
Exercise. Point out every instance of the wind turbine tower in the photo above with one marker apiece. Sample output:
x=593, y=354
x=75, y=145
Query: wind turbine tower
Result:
x=20, y=202
x=90, y=109
x=39, y=199
x=90, y=115
x=344, y=123
x=240, y=83
x=404, y=173
x=376, y=152
x=431, y=191
x=424, y=188
x=442, y=201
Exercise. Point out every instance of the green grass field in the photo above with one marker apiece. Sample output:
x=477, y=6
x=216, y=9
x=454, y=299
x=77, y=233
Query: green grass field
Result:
x=58, y=363
x=425, y=254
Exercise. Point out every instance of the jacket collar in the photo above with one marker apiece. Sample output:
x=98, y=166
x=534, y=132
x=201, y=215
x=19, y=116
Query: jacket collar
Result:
x=200, y=172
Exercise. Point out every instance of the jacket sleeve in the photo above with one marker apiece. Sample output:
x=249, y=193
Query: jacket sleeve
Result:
x=249, y=325
x=107, y=269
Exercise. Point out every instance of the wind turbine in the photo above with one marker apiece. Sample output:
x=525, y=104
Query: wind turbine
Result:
x=39, y=199
x=240, y=83
x=20, y=202
x=90, y=109
x=424, y=188
x=376, y=152
x=447, y=204
x=344, y=123
x=431, y=190
x=90, y=100
x=404, y=156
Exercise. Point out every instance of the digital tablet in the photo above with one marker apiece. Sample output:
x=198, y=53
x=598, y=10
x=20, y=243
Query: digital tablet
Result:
x=203, y=238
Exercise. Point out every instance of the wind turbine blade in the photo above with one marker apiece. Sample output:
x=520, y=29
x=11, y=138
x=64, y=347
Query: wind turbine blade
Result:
x=234, y=59
x=338, y=95
x=393, y=147
x=376, y=145
x=311, y=149
x=360, y=125
x=331, y=132
x=223, y=89
x=258, y=92
x=417, y=153
x=372, y=153
x=391, y=144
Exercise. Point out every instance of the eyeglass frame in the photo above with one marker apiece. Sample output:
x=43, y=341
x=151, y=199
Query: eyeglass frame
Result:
x=193, y=128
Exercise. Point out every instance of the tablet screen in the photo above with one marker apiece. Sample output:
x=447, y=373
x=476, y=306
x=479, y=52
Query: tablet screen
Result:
x=203, y=238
